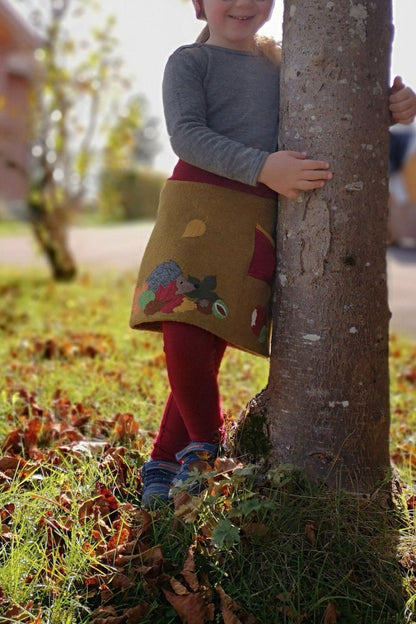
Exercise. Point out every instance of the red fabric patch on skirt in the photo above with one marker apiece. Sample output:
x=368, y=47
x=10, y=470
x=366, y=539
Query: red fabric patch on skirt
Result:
x=263, y=261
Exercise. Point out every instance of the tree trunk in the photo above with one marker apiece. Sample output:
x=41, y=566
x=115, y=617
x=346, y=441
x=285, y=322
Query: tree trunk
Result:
x=326, y=406
x=50, y=230
x=49, y=224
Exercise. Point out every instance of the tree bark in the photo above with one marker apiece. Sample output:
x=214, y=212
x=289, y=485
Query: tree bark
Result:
x=49, y=222
x=50, y=231
x=326, y=406
x=49, y=225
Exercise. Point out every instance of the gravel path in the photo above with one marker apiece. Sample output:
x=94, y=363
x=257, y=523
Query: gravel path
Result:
x=120, y=247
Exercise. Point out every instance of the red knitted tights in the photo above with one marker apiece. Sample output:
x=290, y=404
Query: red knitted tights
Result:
x=193, y=410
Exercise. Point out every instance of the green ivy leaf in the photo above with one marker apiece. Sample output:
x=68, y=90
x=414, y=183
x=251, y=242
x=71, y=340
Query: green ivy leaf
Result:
x=253, y=505
x=225, y=534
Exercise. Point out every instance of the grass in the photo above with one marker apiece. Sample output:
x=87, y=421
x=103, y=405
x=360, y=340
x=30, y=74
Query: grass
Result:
x=13, y=228
x=81, y=398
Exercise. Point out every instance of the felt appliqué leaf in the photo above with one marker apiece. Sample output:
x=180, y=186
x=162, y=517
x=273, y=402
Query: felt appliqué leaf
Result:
x=194, y=228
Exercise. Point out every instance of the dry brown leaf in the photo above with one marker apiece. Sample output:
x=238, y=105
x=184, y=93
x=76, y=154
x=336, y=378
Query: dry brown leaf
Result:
x=11, y=463
x=411, y=501
x=255, y=529
x=126, y=427
x=106, y=594
x=178, y=588
x=205, y=587
x=122, y=560
x=13, y=443
x=231, y=612
x=121, y=582
x=106, y=611
x=6, y=533
x=192, y=608
x=120, y=551
x=122, y=535
x=310, y=532
x=186, y=506
x=188, y=571
x=18, y=612
x=292, y=613
x=226, y=464
x=228, y=607
x=5, y=481
x=135, y=614
x=88, y=447
x=145, y=519
x=331, y=614
x=152, y=556
x=118, y=619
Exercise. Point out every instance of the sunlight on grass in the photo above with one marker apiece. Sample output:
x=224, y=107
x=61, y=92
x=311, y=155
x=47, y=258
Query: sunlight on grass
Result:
x=81, y=397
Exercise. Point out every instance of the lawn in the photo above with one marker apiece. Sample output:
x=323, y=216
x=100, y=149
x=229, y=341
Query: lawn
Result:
x=81, y=398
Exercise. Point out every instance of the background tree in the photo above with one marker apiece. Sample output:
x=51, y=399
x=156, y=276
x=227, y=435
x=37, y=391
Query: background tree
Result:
x=79, y=92
x=129, y=187
x=326, y=406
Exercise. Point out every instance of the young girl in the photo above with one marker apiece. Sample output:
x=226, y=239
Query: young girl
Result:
x=206, y=276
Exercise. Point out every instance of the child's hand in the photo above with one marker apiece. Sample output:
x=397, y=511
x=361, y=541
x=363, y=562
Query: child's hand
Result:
x=289, y=173
x=402, y=102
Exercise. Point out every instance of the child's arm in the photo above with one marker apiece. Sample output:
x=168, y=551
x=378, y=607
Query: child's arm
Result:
x=192, y=138
x=402, y=102
x=195, y=142
x=289, y=173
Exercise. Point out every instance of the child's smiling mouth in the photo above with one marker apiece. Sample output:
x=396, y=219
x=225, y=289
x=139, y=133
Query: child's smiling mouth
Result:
x=241, y=19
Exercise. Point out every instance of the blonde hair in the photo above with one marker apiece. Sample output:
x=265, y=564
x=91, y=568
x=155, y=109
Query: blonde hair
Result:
x=203, y=35
x=267, y=46
x=270, y=48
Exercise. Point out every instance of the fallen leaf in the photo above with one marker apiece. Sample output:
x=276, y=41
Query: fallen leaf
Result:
x=191, y=608
x=231, y=612
x=121, y=582
x=411, y=502
x=310, y=532
x=188, y=571
x=292, y=613
x=120, y=619
x=6, y=534
x=152, y=556
x=331, y=614
x=178, y=588
x=226, y=465
x=126, y=427
x=11, y=463
x=107, y=611
x=255, y=529
x=135, y=614
x=186, y=506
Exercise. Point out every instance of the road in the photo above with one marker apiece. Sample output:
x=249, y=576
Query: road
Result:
x=120, y=247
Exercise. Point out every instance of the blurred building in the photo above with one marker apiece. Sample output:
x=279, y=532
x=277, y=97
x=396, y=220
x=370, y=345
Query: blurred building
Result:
x=18, y=43
x=402, y=185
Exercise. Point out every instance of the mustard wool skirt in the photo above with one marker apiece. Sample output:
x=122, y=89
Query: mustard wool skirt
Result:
x=210, y=262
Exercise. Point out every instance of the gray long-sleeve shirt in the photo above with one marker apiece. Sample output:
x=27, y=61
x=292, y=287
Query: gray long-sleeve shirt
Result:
x=221, y=108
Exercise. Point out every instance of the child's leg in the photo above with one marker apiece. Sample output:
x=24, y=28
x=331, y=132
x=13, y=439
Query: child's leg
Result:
x=172, y=436
x=193, y=359
x=193, y=411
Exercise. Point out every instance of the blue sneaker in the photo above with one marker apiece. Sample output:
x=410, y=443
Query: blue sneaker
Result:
x=197, y=458
x=157, y=477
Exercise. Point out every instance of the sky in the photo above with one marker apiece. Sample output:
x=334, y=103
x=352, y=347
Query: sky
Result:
x=150, y=30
